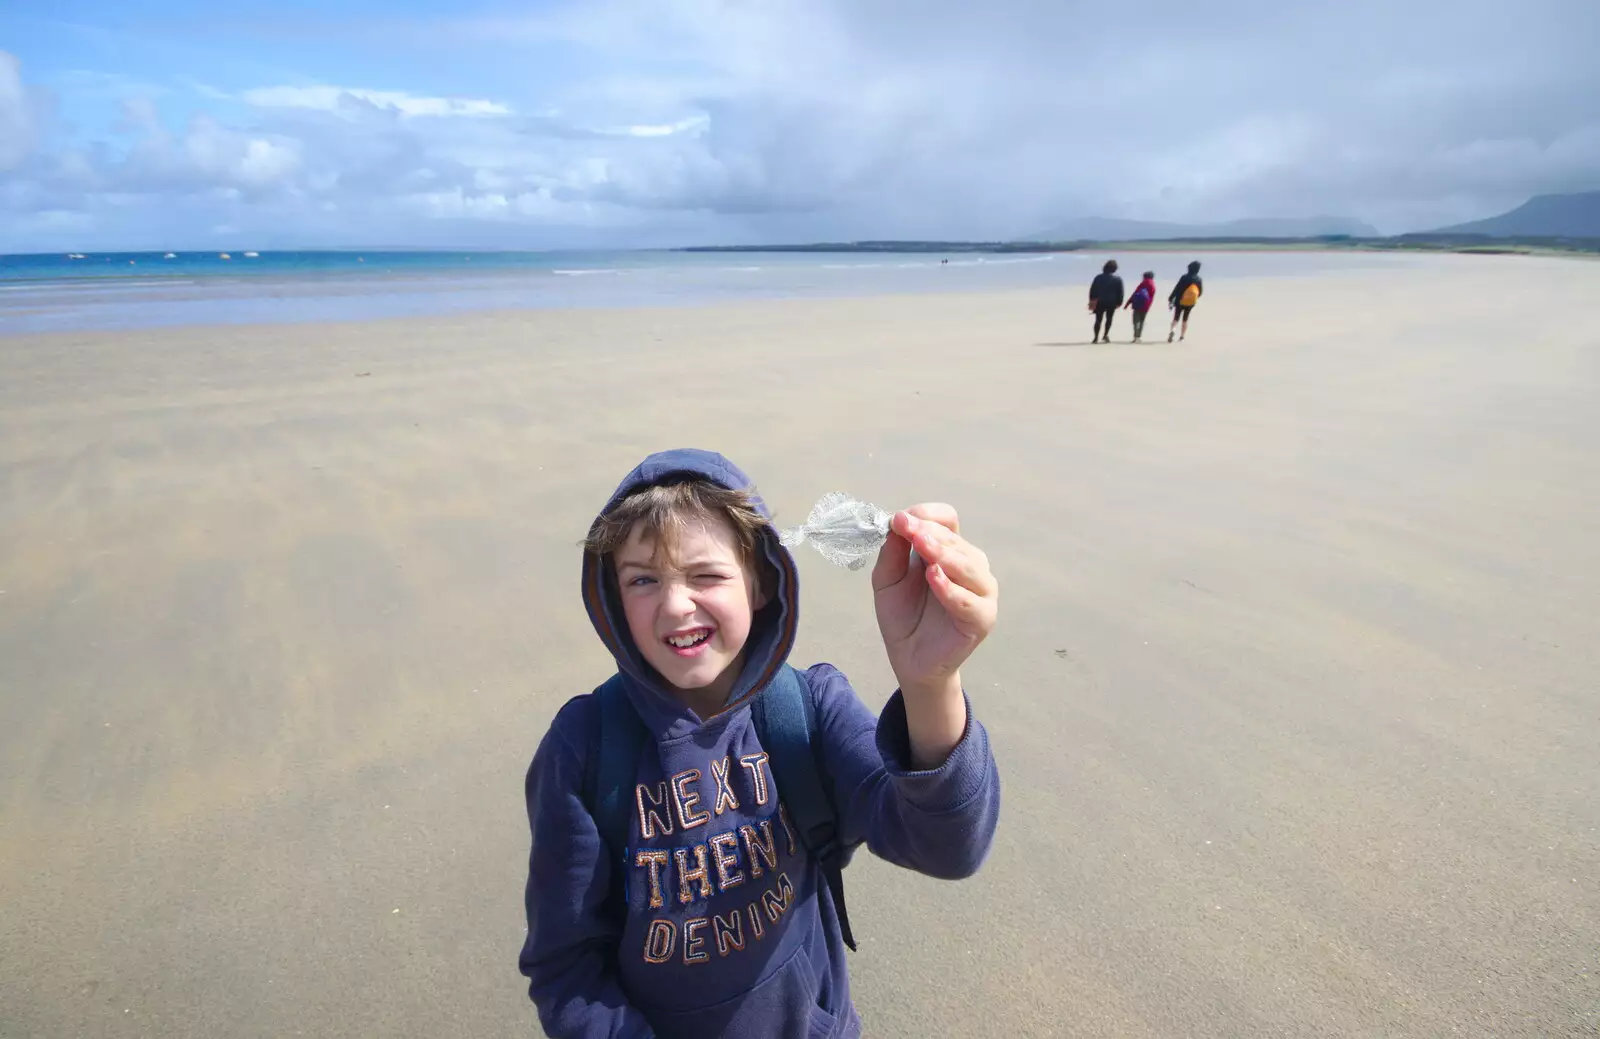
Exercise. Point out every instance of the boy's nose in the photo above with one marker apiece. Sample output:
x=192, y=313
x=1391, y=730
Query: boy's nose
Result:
x=678, y=599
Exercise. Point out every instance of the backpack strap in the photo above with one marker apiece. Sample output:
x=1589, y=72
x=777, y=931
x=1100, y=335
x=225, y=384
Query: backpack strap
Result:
x=610, y=773
x=785, y=718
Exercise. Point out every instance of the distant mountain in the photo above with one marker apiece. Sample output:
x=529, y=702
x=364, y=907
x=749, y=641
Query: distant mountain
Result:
x=1545, y=216
x=1102, y=229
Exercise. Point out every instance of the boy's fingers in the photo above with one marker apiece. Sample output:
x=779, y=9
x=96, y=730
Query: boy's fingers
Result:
x=936, y=512
x=894, y=559
x=971, y=612
x=965, y=564
x=923, y=529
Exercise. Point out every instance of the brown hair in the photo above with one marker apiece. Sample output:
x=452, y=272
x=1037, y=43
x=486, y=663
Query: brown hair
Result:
x=665, y=509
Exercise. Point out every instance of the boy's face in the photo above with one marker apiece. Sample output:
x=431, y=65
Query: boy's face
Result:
x=690, y=616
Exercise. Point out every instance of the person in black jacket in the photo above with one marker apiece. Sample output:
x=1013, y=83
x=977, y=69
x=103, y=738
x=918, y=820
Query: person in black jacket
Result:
x=1105, y=296
x=1184, y=296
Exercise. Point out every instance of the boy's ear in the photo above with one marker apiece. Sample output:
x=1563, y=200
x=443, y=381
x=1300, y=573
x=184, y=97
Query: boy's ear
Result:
x=766, y=585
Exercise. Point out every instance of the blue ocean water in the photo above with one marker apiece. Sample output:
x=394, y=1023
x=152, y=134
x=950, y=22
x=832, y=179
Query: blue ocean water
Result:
x=296, y=264
x=59, y=292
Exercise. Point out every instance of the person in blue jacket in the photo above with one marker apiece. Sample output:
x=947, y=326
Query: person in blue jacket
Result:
x=725, y=921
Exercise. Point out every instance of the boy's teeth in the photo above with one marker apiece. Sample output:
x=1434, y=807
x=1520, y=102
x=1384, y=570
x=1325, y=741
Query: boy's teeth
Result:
x=685, y=641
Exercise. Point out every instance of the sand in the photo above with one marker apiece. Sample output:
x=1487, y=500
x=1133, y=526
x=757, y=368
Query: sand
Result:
x=1294, y=691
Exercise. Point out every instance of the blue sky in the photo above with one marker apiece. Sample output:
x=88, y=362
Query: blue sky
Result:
x=649, y=122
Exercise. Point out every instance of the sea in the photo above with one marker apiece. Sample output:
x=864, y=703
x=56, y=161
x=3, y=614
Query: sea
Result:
x=121, y=290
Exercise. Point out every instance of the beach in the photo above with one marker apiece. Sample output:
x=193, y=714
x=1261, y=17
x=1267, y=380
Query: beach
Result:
x=1294, y=692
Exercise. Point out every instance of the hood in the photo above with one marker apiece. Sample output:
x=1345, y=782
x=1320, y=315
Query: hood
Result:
x=771, y=632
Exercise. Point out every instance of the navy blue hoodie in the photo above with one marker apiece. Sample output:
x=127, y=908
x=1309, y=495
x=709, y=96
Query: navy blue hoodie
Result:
x=730, y=929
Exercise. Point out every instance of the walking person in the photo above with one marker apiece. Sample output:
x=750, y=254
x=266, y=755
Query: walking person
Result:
x=1105, y=296
x=1140, y=302
x=1184, y=296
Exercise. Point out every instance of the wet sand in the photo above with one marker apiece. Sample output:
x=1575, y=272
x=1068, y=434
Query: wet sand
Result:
x=1296, y=690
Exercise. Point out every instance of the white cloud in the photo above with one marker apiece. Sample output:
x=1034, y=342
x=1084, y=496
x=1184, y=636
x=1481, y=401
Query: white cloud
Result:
x=265, y=162
x=231, y=158
x=351, y=99
x=698, y=122
x=16, y=124
x=54, y=221
x=710, y=120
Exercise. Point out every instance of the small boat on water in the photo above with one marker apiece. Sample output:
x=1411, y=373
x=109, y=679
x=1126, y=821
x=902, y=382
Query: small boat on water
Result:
x=170, y=256
x=224, y=256
x=251, y=256
x=76, y=256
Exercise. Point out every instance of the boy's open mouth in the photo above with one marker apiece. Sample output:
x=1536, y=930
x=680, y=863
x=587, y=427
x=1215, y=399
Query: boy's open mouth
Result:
x=688, y=643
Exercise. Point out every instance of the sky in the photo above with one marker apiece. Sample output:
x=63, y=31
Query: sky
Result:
x=622, y=123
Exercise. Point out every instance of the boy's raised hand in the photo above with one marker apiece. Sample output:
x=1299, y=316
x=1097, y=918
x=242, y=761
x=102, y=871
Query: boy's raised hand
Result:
x=935, y=608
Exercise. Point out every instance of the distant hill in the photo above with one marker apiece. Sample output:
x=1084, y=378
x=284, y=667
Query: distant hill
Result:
x=1545, y=216
x=1102, y=229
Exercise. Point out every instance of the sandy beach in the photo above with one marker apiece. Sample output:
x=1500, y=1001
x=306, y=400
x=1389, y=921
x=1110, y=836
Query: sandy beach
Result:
x=1295, y=694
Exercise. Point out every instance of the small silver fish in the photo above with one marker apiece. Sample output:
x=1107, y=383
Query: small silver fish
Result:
x=846, y=532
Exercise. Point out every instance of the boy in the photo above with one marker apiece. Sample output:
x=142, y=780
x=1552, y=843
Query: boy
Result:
x=1185, y=294
x=1140, y=302
x=1105, y=296
x=725, y=924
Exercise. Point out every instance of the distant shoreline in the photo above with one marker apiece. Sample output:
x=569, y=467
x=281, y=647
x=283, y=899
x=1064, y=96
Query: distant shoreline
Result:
x=1465, y=244
x=1410, y=243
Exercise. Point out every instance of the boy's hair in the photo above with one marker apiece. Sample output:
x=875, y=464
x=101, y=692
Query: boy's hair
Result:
x=1110, y=267
x=663, y=510
x=1149, y=274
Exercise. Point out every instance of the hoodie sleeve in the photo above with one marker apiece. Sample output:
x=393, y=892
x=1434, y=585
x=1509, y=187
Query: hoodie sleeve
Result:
x=569, y=955
x=940, y=821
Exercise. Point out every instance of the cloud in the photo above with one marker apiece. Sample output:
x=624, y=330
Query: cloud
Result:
x=655, y=121
x=251, y=162
x=938, y=118
x=16, y=123
x=206, y=156
x=350, y=99
x=698, y=122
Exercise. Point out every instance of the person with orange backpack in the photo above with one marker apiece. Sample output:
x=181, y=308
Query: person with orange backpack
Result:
x=1185, y=294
